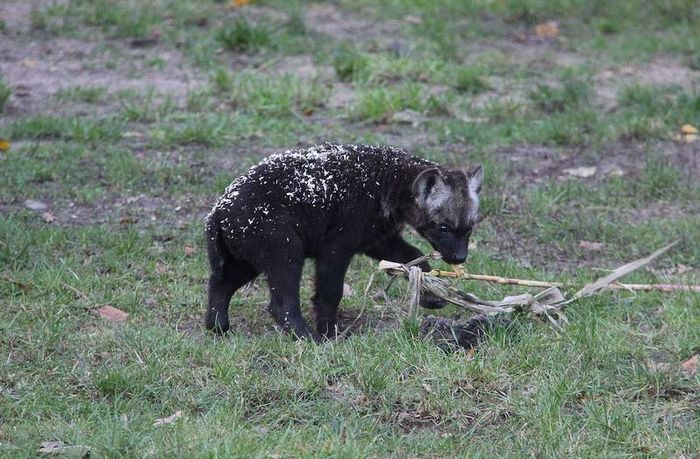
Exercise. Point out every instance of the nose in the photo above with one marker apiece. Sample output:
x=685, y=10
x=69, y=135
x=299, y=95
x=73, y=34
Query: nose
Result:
x=460, y=254
x=458, y=258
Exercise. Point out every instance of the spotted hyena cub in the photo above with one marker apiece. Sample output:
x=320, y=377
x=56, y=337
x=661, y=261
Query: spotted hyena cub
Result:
x=329, y=203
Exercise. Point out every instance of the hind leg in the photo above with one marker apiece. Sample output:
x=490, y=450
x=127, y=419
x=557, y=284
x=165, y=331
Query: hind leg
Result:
x=330, y=273
x=283, y=279
x=233, y=275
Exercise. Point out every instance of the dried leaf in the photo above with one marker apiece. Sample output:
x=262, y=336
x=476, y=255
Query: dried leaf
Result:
x=601, y=283
x=169, y=420
x=48, y=217
x=690, y=138
x=190, y=250
x=658, y=366
x=33, y=204
x=29, y=63
x=239, y=3
x=51, y=446
x=58, y=447
x=4, y=145
x=408, y=116
x=552, y=295
x=19, y=284
x=113, y=314
x=616, y=172
x=592, y=246
x=680, y=268
x=347, y=290
x=128, y=220
x=415, y=20
x=688, y=129
x=548, y=29
x=583, y=172
x=427, y=388
x=523, y=300
x=690, y=366
x=143, y=42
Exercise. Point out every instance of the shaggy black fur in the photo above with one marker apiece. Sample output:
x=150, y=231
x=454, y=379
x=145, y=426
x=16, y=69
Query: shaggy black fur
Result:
x=329, y=203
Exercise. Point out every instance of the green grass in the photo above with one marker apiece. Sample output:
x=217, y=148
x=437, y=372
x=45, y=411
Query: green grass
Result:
x=89, y=130
x=84, y=94
x=5, y=93
x=129, y=174
x=569, y=95
x=243, y=36
x=471, y=80
x=378, y=104
x=278, y=96
x=348, y=63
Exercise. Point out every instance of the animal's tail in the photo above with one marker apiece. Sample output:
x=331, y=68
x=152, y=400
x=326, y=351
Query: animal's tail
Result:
x=217, y=251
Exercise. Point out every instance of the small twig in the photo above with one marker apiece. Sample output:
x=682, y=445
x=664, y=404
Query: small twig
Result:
x=415, y=277
x=369, y=283
x=345, y=332
x=268, y=64
x=77, y=292
x=656, y=287
x=544, y=284
x=496, y=279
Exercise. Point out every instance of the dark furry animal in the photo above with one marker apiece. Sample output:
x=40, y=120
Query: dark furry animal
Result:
x=329, y=203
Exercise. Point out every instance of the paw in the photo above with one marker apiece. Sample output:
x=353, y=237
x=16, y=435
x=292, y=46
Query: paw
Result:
x=430, y=301
x=219, y=328
x=218, y=325
x=327, y=331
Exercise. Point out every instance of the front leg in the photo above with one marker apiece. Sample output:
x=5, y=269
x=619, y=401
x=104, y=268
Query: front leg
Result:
x=397, y=250
x=394, y=248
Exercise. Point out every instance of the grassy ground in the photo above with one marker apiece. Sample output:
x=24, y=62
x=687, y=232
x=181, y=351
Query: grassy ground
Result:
x=128, y=118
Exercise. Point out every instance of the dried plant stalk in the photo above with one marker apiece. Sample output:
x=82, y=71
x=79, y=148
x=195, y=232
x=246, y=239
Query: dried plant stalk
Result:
x=496, y=279
x=547, y=304
x=546, y=284
x=415, y=276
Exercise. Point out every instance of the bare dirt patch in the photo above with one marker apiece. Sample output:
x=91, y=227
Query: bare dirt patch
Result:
x=304, y=67
x=39, y=68
x=530, y=165
x=662, y=71
x=17, y=14
x=344, y=25
x=544, y=54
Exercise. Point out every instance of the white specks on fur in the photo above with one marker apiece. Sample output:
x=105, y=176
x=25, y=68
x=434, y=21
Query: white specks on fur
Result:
x=319, y=177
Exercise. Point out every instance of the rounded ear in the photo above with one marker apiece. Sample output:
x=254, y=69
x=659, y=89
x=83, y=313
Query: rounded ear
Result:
x=429, y=188
x=475, y=178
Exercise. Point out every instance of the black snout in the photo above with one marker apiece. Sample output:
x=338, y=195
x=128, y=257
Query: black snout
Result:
x=457, y=255
x=456, y=258
x=459, y=258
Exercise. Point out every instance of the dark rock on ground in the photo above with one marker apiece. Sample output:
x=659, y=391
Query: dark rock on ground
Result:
x=450, y=334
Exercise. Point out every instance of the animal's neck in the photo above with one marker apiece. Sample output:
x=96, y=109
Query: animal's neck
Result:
x=398, y=203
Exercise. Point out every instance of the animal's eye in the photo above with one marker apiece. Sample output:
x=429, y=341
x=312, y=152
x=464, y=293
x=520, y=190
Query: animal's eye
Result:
x=444, y=228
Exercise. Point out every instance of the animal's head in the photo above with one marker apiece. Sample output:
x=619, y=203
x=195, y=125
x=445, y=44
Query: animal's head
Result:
x=447, y=204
